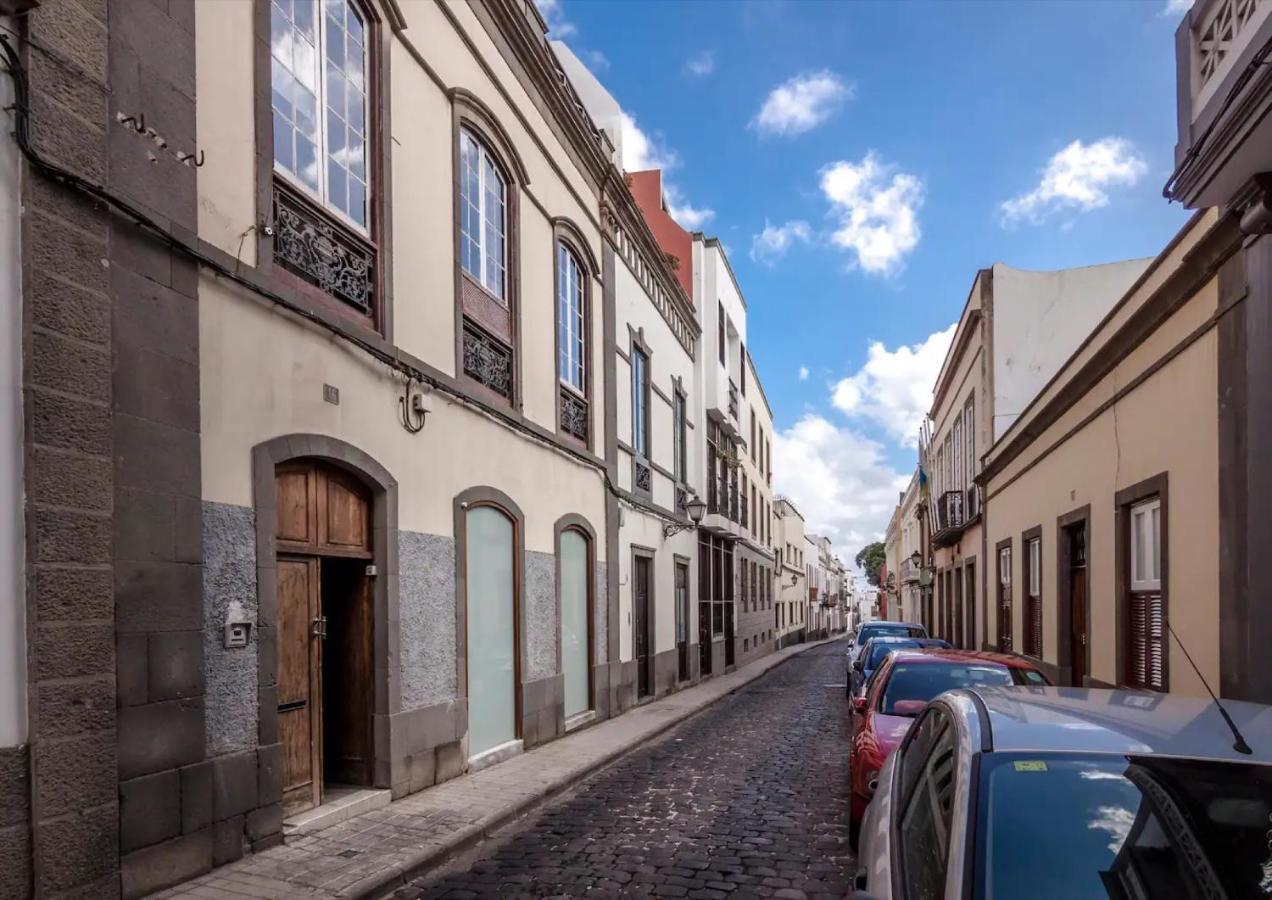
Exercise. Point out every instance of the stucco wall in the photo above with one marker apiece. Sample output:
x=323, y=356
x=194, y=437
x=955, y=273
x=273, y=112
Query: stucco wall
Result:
x=1039, y=318
x=427, y=611
x=229, y=575
x=1121, y=446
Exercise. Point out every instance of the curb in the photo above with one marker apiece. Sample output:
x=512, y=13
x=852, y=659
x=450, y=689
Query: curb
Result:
x=389, y=879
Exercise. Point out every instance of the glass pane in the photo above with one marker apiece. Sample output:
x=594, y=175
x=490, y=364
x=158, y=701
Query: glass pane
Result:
x=337, y=187
x=358, y=201
x=1156, y=542
x=574, y=634
x=303, y=10
x=491, y=613
x=283, y=142
x=306, y=163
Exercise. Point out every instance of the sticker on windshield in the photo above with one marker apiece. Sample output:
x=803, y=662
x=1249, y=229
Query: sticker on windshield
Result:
x=1030, y=765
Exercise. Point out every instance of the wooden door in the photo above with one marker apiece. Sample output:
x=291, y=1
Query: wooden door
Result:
x=970, y=596
x=323, y=541
x=1077, y=605
x=299, y=681
x=958, y=609
x=640, y=617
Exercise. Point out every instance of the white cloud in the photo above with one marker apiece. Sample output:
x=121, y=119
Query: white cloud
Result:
x=838, y=479
x=803, y=373
x=1076, y=178
x=771, y=244
x=894, y=388
x=802, y=103
x=597, y=61
x=685, y=213
x=876, y=209
x=701, y=64
x=554, y=15
x=1176, y=7
x=641, y=151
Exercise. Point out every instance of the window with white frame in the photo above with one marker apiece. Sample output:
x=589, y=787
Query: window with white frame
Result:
x=1145, y=625
x=969, y=436
x=571, y=324
x=320, y=84
x=1004, y=599
x=483, y=216
x=640, y=402
x=1033, y=597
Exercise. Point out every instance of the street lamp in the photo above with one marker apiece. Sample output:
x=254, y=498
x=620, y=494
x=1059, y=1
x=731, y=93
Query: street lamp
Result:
x=696, y=508
x=916, y=559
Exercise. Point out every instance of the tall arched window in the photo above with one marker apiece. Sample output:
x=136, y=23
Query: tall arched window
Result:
x=571, y=321
x=320, y=81
x=483, y=216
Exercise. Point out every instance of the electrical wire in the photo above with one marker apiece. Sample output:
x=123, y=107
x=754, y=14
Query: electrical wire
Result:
x=22, y=111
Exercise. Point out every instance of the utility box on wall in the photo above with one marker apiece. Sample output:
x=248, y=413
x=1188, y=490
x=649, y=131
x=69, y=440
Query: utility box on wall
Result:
x=238, y=628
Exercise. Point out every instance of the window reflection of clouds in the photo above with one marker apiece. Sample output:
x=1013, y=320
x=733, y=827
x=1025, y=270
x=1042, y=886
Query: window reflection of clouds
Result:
x=1116, y=821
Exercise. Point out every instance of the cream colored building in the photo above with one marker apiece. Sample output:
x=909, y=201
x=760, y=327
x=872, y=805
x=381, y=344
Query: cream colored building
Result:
x=1015, y=331
x=404, y=399
x=1102, y=512
x=792, y=576
x=754, y=549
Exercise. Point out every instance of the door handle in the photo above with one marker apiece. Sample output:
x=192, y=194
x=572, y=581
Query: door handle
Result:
x=318, y=627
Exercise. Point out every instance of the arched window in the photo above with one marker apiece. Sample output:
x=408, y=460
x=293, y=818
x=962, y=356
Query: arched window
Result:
x=320, y=81
x=571, y=319
x=483, y=216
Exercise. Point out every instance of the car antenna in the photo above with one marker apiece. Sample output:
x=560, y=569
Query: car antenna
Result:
x=1239, y=744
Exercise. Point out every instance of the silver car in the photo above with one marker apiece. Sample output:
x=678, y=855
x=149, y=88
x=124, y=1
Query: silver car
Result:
x=1043, y=792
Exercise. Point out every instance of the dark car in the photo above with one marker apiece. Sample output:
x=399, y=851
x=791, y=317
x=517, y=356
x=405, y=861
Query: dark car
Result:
x=876, y=651
x=881, y=628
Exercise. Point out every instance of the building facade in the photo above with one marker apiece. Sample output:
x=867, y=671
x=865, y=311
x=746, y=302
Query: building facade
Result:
x=792, y=575
x=1102, y=514
x=353, y=419
x=996, y=364
x=1223, y=158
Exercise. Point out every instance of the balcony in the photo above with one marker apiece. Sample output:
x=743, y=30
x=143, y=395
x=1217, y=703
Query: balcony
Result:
x=1224, y=96
x=955, y=510
x=909, y=571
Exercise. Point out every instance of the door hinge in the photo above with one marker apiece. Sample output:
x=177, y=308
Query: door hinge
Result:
x=318, y=627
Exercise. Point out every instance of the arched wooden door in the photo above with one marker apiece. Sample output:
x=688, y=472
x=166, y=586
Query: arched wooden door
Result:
x=325, y=630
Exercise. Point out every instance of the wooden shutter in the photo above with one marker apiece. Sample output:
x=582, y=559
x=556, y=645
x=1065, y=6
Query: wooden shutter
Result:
x=1146, y=642
x=1033, y=626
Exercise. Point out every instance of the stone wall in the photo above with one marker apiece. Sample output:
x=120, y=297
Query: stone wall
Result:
x=427, y=610
x=229, y=575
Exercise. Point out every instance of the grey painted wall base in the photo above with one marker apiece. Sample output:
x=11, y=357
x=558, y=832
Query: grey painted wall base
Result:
x=427, y=608
x=229, y=575
x=415, y=738
x=542, y=710
x=666, y=668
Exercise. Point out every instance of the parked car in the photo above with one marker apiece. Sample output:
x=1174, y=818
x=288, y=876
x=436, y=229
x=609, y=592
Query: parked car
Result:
x=875, y=652
x=1041, y=792
x=903, y=685
x=867, y=630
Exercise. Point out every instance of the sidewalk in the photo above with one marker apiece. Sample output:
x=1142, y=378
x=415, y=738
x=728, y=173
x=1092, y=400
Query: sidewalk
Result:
x=374, y=853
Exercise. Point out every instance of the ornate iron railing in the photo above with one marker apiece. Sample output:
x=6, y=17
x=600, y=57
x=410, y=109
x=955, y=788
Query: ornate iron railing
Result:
x=642, y=476
x=313, y=247
x=487, y=360
x=574, y=413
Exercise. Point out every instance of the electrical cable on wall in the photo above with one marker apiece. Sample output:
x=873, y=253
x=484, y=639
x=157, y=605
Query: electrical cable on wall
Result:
x=21, y=110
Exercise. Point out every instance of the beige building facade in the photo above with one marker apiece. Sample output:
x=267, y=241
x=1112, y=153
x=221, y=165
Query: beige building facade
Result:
x=792, y=575
x=1102, y=498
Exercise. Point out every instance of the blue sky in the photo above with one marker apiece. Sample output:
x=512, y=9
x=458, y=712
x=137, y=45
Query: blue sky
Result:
x=891, y=149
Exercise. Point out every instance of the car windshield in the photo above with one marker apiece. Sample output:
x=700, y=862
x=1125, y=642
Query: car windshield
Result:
x=874, y=631
x=923, y=681
x=880, y=649
x=1098, y=826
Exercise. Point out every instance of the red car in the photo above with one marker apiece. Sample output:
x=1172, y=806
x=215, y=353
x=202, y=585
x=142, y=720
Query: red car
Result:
x=900, y=688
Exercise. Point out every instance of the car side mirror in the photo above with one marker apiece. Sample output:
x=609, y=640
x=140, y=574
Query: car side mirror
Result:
x=859, y=704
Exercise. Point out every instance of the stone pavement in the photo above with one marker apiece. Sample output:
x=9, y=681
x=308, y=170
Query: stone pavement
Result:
x=749, y=799
x=372, y=854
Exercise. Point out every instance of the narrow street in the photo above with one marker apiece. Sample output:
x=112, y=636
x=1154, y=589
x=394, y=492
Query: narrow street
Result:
x=748, y=799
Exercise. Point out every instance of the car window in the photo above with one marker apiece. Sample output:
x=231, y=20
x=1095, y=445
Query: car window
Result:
x=1028, y=676
x=914, y=631
x=925, y=824
x=923, y=681
x=879, y=650
x=918, y=744
x=1114, y=826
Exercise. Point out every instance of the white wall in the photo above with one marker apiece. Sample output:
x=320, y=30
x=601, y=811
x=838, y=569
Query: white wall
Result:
x=13, y=717
x=600, y=103
x=1040, y=318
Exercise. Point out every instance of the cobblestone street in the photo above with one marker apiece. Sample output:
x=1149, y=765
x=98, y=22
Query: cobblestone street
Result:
x=748, y=799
